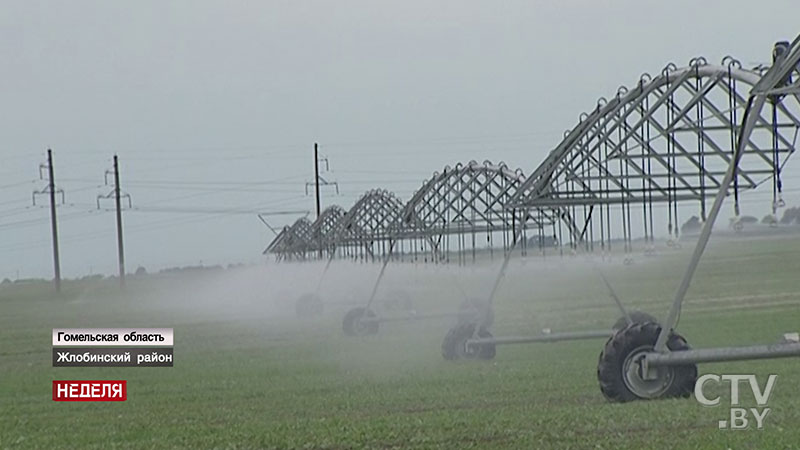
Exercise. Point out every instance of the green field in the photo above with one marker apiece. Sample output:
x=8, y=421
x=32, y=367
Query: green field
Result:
x=248, y=374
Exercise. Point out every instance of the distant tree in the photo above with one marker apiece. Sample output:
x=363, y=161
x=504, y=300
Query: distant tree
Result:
x=748, y=220
x=546, y=241
x=738, y=223
x=94, y=277
x=790, y=216
x=691, y=226
x=140, y=271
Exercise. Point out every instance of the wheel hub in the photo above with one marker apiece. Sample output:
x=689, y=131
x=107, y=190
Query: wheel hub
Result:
x=654, y=385
x=467, y=351
x=359, y=325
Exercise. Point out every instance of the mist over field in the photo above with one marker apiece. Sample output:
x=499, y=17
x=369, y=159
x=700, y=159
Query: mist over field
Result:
x=248, y=370
x=399, y=225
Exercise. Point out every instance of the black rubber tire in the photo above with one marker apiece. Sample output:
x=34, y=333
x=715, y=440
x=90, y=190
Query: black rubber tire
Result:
x=352, y=325
x=473, y=310
x=633, y=339
x=454, y=344
x=636, y=317
x=309, y=305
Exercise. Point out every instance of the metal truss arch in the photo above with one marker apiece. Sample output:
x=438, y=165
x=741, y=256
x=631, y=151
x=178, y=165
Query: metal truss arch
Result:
x=370, y=219
x=325, y=229
x=668, y=139
x=467, y=200
x=681, y=123
x=293, y=241
x=466, y=197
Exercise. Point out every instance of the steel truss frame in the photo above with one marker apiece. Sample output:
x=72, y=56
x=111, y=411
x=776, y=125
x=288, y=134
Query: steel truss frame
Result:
x=780, y=86
x=324, y=230
x=368, y=225
x=292, y=241
x=468, y=198
x=467, y=201
x=303, y=237
x=668, y=139
x=748, y=157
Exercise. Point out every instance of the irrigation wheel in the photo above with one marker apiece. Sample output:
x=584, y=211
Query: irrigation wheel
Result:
x=473, y=310
x=455, y=347
x=636, y=317
x=309, y=305
x=619, y=369
x=360, y=321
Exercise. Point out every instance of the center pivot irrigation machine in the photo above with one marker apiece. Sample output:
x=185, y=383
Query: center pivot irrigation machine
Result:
x=463, y=203
x=361, y=232
x=687, y=135
x=681, y=138
x=460, y=208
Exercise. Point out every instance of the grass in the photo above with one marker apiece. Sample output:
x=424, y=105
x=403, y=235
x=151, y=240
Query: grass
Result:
x=248, y=376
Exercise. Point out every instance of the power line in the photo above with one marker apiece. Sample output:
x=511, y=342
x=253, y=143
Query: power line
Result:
x=216, y=190
x=278, y=181
x=11, y=202
x=145, y=227
x=19, y=211
x=182, y=210
x=452, y=140
x=21, y=183
x=26, y=222
x=225, y=189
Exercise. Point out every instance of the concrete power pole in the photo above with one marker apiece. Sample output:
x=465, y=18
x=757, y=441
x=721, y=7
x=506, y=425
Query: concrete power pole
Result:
x=117, y=194
x=51, y=191
x=53, y=219
x=316, y=177
x=120, y=247
x=320, y=181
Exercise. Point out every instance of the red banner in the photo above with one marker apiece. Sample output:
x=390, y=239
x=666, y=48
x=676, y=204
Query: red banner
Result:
x=90, y=390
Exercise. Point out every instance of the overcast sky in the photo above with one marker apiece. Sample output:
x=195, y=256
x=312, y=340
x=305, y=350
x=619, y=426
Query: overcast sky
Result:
x=216, y=104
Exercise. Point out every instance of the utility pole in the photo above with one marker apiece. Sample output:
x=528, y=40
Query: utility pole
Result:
x=54, y=220
x=120, y=249
x=319, y=180
x=118, y=195
x=51, y=190
x=316, y=176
